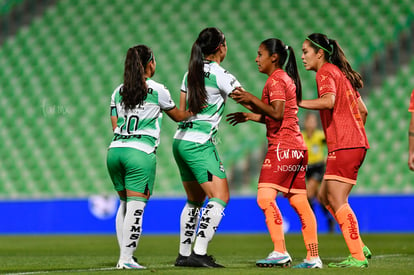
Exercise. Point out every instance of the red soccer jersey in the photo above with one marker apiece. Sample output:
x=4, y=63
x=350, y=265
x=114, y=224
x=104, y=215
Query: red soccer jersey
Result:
x=284, y=134
x=343, y=124
x=411, y=108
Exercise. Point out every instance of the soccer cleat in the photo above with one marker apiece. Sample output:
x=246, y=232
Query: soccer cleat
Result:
x=367, y=252
x=181, y=260
x=275, y=259
x=195, y=260
x=131, y=264
x=312, y=263
x=350, y=262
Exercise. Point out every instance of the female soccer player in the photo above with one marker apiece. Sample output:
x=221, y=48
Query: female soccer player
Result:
x=204, y=91
x=411, y=134
x=284, y=167
x=343, y=116
x=136, y=112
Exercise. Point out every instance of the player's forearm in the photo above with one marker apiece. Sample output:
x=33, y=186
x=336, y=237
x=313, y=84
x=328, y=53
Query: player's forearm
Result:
x=256, y=117
x=411, y=142
x=325, y=102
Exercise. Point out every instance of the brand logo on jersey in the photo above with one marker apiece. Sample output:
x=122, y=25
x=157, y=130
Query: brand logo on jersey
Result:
x=232, y=82
x=323, y=77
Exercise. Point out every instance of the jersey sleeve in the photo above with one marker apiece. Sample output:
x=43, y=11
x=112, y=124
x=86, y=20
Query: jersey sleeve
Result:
x=113, y=111
x=411, y=107
x=184, y=83
x=227, y=83
x=165, y=100
x=276, y=89
x=325, y=83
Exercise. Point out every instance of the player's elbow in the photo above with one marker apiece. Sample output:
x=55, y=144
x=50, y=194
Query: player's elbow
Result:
x=277, y=116
x=364, y=112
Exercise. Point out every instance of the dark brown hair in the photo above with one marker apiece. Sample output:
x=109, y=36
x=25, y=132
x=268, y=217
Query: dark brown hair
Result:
x=208, y=42
x=134, y=91
x=335, y=55
x=274, y=45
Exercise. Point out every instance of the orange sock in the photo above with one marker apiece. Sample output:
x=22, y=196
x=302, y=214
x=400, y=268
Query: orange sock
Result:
x=266, y=199
x=300, y=203
x=328, y=207
x=349, y=227
x=333, y=215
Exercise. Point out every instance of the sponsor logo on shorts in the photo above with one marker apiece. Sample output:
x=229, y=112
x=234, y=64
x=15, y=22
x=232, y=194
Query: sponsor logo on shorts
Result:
x=267, y=164
x=221, y=167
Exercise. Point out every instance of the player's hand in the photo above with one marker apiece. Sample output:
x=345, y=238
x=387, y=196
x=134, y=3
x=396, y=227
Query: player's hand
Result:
x=241, y=96
x=411, y=161
x=236, y=118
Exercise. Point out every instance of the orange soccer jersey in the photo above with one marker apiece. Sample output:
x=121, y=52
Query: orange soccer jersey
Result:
x=284, y=134
x=343, y=125
x=411, y=108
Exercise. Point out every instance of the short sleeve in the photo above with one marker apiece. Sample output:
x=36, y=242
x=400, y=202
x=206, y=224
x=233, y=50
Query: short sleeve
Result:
x=184, y=83
x=411, y=107
x=325, y=83
x=227, y=83
x=113, y=111
x=165, y=100
x=276, y=89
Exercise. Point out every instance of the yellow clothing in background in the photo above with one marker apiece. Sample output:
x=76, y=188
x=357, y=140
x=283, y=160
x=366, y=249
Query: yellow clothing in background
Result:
x=315, y=145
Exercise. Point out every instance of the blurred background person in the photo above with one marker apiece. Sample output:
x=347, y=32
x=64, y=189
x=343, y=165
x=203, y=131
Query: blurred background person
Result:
x=315, y=141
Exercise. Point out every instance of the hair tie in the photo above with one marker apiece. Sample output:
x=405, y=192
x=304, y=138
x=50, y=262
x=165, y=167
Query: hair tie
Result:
x=319, y=46
x=149, y=59
x=286, y=47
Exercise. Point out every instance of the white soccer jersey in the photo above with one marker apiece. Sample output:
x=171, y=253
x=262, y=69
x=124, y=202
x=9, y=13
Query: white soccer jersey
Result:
x=140, y=128
x=219, y=84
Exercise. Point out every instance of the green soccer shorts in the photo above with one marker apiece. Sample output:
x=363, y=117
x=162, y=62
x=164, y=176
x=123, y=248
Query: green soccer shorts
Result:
x=197, y=162
x=131, y=169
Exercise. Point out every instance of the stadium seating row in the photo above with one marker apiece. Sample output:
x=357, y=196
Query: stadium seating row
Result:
x=58, y=74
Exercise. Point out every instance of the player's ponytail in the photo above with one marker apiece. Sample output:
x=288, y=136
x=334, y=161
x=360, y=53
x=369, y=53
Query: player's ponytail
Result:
x=285, y=52
x=335, y=55
x=292, y=70
x=208, y=42
x=338, y=58
x=134, y=91
x=197, y=94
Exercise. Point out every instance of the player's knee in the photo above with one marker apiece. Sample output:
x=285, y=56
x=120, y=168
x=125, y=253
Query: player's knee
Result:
x=264, y=202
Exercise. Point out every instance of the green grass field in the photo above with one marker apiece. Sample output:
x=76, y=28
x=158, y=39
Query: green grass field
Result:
x=91, y=254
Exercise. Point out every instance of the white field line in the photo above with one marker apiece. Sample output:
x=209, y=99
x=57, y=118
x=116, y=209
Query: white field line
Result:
x=61, y=271
x=114, y=268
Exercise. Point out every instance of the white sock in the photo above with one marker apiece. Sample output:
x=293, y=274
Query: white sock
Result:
x=132, y=228
x=188, y=226
x=209, y=222
x=119, y=221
